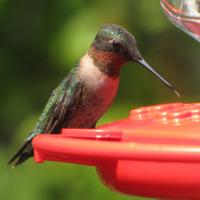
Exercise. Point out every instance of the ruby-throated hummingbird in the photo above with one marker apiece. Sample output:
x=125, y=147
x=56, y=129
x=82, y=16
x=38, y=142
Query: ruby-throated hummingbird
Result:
x=88, y=90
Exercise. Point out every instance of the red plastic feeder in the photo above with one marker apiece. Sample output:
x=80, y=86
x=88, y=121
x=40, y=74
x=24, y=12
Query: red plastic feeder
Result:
x=155, y=152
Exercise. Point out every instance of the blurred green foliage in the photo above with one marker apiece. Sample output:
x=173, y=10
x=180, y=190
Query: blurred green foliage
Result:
x=40, y=41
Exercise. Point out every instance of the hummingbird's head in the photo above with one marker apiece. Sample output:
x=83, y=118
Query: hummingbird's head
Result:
x=115, y=40
x=114, y=46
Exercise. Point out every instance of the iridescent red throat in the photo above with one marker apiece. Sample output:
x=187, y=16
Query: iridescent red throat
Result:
x=108, y=62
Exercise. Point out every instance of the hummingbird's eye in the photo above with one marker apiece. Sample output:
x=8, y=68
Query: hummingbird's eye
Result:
x=116, y=44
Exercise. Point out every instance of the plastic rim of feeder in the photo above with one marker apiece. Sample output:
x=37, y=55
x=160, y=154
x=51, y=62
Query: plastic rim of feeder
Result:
x=155, y=152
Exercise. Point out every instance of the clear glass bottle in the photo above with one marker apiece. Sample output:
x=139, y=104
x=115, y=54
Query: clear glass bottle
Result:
x=185, y=14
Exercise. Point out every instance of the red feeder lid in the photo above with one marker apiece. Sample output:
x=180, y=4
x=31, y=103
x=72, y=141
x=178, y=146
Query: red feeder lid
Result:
x=155, y=152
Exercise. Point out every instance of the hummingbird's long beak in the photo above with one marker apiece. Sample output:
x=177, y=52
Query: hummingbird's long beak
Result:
x=147, y=66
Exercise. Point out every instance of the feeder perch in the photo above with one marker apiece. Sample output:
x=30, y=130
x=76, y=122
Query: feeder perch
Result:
x=155, y=152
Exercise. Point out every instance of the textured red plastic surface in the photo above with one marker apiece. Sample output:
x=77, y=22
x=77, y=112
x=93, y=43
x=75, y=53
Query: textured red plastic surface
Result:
x=155, y=152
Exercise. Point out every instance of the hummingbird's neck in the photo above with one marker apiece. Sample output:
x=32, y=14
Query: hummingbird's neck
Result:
x=107, y=62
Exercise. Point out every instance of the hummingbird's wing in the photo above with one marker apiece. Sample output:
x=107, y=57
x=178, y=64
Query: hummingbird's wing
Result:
x=60, y=106
x=59, y=109
x=64, y=109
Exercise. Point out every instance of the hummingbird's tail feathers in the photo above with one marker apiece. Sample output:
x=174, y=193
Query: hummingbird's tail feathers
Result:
x=22, y=154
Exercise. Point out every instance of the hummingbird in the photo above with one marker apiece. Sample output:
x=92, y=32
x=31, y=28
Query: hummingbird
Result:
x=89, y=89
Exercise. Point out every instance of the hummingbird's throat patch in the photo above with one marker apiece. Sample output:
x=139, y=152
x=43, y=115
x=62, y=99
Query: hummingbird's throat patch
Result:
x=108, y=62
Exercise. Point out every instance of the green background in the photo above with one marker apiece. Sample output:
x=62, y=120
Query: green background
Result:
x=40, y=40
